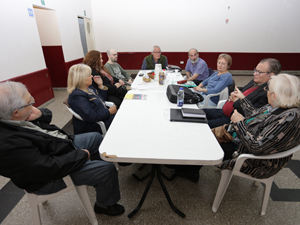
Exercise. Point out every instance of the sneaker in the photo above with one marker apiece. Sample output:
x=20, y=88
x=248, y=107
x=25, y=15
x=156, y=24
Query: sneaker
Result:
x=112, y=210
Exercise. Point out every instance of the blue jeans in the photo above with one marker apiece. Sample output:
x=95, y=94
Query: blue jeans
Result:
x=100, y=174
x=216, y=117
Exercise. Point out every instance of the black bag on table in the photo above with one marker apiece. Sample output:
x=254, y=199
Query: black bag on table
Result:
x=190, y=97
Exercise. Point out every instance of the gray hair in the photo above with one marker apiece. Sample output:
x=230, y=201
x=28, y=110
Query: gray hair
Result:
x=287, y=89
x=11, y=98
x=191, y=50
x=274, y=65
x=154, y=47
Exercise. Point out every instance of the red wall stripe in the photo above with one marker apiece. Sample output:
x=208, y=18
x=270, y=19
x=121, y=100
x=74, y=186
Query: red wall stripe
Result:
x=38, y=84
x=55, y=62
x=240, y=61
x=73, y=62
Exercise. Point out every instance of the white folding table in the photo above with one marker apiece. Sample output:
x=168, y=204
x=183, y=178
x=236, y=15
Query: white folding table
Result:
x=142, y=132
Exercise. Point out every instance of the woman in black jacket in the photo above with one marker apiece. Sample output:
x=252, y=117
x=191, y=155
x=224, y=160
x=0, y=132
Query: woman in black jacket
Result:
x=116, y=87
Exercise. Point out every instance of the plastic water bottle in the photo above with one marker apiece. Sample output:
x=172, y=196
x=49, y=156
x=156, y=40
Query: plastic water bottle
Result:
x=180, y=97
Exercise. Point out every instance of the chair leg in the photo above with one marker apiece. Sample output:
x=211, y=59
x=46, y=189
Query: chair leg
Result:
x=36, y=217
x=224, y=182
x=86, y=203
x=117, y=165
x=256, y=183
x=268, y=186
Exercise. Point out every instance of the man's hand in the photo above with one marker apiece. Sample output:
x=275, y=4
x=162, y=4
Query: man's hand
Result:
x=35, y=113
x=113, y=109
x=236, y=116
x=237, y=93
x=87, y=153
x=121, y=82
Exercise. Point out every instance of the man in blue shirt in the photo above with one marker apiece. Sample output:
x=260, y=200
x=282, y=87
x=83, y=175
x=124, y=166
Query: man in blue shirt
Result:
x=196, y=68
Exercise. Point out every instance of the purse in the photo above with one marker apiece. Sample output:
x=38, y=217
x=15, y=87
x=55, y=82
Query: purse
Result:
x=222, y=134
x=121, y=92
x=189, y=96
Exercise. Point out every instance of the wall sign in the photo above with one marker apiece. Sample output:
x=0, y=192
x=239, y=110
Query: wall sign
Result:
x=43, y=2
x=30, y=12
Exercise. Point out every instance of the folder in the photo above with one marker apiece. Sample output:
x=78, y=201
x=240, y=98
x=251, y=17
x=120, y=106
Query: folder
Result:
x=176, y=115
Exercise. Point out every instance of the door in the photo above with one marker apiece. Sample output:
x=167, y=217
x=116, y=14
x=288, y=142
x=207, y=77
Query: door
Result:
x=86, y=34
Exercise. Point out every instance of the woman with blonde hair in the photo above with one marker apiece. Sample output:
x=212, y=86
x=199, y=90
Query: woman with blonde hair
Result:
x=88, y=101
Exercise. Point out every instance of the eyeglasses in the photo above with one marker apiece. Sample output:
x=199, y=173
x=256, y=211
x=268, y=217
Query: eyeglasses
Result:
x=259, y=72
x=266, y=88
x=156, y=52
x=31, y=99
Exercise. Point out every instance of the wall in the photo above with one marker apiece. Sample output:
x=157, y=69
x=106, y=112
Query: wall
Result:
x=21, y=50
x=255, y=29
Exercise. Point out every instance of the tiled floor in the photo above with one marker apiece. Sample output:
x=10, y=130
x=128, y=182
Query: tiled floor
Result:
x=241, y=204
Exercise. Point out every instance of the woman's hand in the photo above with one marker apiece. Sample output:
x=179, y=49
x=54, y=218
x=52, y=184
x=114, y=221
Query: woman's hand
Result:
x=198, y=88
x=129, y=81
x=98, y=80
x=118, y=85
x=35, y=113
x=113, y=109
x=236, y=116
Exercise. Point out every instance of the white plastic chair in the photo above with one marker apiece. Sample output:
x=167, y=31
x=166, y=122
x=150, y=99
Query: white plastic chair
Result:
x=221, y=104
x=81, y=192
x=227, y=175
x=101, y=123
x=223, y=95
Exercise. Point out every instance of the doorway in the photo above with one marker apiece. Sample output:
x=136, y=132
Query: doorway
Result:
x=48, y=29
x=86, y=34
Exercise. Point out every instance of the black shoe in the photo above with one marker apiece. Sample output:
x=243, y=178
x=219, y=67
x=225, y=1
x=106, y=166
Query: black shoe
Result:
x=192, y=175
x=112, y=210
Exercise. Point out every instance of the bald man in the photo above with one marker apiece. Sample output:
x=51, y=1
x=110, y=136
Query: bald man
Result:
x=115, y=69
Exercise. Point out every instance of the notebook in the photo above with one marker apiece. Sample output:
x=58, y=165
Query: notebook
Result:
x=197, y=113
x=176, y=115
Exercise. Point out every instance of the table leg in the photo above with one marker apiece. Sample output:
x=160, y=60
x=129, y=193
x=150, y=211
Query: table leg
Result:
x=167, y=194
x=159, y=173
x=144, y=194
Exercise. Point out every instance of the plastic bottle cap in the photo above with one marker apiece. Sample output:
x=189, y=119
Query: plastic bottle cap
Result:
x=181, y=88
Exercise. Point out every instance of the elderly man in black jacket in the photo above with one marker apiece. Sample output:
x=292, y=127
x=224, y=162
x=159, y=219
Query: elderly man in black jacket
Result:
x=36, y=155
x=253, y=91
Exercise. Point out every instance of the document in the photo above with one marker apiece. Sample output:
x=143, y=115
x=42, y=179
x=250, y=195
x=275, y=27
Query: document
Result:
x=195, y=113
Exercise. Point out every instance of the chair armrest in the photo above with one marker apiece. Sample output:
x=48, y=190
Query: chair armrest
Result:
x=109, y=104
x=221, y=104
x=241, y=158
x=208, y=97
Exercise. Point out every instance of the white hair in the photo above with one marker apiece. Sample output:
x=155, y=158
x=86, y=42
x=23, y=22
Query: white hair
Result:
x=287, y=89
x=11, y=98
x=154, y=47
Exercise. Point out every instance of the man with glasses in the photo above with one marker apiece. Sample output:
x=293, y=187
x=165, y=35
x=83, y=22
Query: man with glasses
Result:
x=115, y=69
x=36, y=155
x=155, y=58
x=196, y=68
x=253, y=91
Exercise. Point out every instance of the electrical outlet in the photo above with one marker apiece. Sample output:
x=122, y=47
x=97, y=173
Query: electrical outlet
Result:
x=181, y=62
